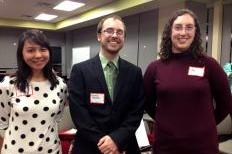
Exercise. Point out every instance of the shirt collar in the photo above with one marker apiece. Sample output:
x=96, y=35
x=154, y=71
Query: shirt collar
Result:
x=104, y=60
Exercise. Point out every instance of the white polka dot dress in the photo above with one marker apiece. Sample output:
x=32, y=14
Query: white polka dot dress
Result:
x=31, y=119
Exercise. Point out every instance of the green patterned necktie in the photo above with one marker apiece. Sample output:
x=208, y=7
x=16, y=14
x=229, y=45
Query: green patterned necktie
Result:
x=111, y=78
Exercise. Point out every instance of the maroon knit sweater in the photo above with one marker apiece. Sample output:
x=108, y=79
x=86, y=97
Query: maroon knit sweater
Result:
x=179, y=95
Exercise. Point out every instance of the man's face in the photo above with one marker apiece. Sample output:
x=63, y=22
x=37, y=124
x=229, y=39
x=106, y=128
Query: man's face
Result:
x=183, y=33
x=112, y=36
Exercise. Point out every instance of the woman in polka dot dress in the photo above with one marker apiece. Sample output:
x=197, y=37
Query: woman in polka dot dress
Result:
x=32, y=101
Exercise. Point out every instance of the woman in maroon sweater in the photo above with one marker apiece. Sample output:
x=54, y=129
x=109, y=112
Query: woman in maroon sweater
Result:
x=180, y=88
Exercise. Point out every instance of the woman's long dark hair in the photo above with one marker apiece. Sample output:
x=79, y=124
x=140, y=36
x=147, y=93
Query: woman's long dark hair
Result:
x=166, y=44
x=24, y=71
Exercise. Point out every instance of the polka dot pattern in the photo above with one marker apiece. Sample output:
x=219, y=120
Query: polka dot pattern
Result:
x=35, y=115
x=36, y=88
x=32, y=117
x=33, y=129
x=31, y=143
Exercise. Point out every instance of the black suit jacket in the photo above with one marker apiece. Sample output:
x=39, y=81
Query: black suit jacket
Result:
x=118, y=119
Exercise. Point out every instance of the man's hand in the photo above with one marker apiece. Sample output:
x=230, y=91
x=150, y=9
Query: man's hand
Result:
x=107, y=146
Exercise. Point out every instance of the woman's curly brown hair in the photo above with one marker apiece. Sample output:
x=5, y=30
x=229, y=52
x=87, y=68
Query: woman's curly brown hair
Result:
x=166, y=44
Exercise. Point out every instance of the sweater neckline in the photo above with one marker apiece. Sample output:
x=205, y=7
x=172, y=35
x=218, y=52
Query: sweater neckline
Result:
x=182, y=54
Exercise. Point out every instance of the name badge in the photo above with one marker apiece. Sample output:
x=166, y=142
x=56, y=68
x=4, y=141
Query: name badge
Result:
x=196, y=71
x=28, y=92
x=97, y=98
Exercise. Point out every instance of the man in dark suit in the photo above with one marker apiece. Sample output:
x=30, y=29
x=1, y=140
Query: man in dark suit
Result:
x=106, y=107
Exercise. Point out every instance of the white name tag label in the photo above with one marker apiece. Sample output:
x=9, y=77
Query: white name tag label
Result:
x=97, y=98
x=196, y=71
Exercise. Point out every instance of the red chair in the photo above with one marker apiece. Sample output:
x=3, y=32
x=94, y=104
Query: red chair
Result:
x=66, y=139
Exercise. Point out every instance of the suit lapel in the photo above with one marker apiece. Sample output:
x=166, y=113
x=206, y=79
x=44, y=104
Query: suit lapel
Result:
x=122, y=73
x=98, y=71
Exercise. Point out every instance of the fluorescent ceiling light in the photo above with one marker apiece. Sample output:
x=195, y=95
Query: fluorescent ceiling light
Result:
x=45, y=17
x=68, y=6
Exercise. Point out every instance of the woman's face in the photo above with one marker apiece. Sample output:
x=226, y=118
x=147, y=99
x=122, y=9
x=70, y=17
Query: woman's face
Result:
x=183, y=33
x=35, y=56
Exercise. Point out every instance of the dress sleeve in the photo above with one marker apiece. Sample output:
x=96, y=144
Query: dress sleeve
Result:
x=220, y=91
x=150, y=90
x=63, y=98
x=5, y=105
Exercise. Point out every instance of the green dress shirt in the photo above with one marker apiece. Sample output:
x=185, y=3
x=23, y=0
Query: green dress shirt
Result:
x=110, y=69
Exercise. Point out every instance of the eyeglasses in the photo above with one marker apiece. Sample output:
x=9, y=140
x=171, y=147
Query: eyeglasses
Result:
x=187, y=28
x=111, y=31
